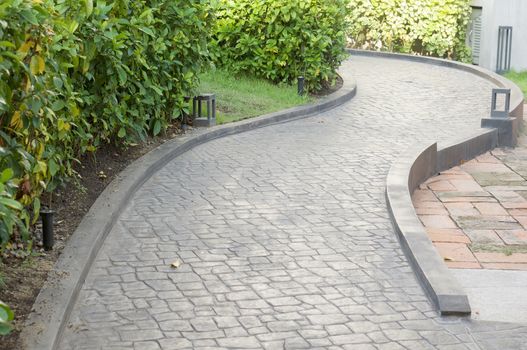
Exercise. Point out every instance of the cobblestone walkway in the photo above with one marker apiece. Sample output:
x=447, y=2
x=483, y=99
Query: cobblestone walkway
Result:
x=283, y=234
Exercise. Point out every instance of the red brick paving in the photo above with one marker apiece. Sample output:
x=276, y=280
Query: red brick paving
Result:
x=431, y=211
x=437, y=221
x=461, y=208
x=501, y=257
x=447, y=235
x=504, y=266
x=458, y=252
x=491, y=209
x=453, y=201
x=513, y=237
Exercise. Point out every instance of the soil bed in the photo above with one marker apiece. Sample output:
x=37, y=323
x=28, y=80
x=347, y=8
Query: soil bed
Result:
x=23, y=276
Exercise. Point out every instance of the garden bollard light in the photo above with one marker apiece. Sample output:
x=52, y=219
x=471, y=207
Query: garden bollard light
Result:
x=199, y=119
x=301, y=81
x=47, y=228
x=494, y=112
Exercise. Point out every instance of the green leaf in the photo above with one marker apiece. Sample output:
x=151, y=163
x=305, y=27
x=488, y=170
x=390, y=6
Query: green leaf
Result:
x=29, y=16
x=6, y=314
x=147, y=30
x=122, y=76
x=121, y=133
x=157, y=127
x=53, y=167
x=37, y=65
x=6, y=175
x=58, y=105
x=7, y=44
x=11, y=203
x=36, y=210
x=88, y=7
x=5, y=328
x=57, y=82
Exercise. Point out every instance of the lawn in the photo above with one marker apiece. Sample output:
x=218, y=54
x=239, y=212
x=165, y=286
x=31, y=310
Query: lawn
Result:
x=241, y=97
x=520, y=78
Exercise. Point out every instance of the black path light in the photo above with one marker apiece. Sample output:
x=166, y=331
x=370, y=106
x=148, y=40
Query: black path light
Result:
x=197, y=106
x=494, y=112
x=47, y=228
x=301, y=83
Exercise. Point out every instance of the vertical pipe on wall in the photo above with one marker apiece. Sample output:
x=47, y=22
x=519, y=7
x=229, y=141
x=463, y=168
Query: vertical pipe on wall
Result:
x=498, y=52
x=505, y=56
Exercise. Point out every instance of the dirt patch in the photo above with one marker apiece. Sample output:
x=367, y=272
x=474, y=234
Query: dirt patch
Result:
x=22, y=275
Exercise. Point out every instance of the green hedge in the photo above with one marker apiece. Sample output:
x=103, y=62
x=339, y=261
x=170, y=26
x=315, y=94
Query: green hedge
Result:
x=77, y=74
x=280, y=40
x=425, y=27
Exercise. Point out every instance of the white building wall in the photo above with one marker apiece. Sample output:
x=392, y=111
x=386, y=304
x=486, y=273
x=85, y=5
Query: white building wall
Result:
x=503, y=13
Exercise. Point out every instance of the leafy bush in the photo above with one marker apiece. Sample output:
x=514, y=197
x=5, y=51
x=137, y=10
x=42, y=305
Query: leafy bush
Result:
x=280, y=40
x=138, y=60
x=74, y=75
x=26, y=112
x=426, y=27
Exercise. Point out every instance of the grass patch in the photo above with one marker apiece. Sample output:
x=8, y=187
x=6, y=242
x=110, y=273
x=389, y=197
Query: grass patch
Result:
x=241, y=97
x=492, y=248
x=520, y=78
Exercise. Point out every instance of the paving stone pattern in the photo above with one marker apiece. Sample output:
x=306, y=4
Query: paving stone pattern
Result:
x=283, y=234
x=476, y=213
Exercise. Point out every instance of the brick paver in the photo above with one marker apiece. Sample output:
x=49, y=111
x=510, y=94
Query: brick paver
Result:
x=487, y=227
x=282, y=235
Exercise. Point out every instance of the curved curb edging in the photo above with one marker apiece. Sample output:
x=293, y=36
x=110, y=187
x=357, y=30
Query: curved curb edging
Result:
x=53, y=306
x=420, y=162
x=516, y=93
x=415, y=166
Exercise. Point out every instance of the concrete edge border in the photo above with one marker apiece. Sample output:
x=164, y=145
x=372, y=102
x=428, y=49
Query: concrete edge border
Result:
x=52, y=308
x=415, y=166
x=420, y=162
x=516, y=93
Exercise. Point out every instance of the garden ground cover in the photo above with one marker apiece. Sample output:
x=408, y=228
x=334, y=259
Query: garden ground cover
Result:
x=520, y=79
x=240, y=97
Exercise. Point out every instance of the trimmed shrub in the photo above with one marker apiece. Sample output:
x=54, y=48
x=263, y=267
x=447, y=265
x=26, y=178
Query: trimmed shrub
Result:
x=75, y=75
x=280, y=40
x=137, y=61
x=425, y=27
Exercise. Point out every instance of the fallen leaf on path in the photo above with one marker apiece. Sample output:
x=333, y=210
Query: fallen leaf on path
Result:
x=176, y=264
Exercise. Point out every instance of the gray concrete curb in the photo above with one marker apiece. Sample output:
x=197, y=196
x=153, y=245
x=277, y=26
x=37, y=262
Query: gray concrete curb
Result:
x=421, y=162
x=415, y=166
x=516, y=93
x=53, y=306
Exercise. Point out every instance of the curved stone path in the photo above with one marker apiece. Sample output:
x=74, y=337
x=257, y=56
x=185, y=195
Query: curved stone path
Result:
x=284, y=235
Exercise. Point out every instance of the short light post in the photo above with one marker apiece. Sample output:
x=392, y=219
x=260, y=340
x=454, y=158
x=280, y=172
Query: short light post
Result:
x=494, y=112
x=301, y=83
x=210, y=102
x=500, y=120
x=47, y=228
